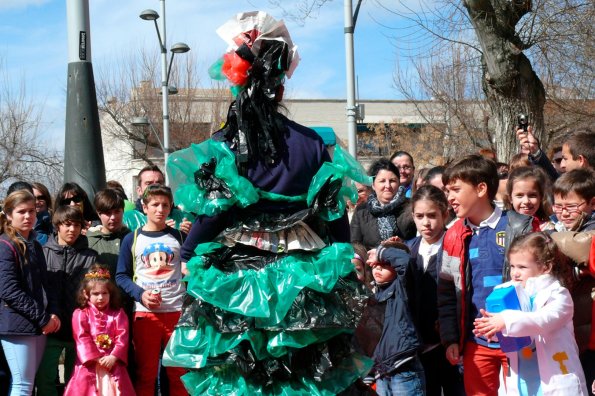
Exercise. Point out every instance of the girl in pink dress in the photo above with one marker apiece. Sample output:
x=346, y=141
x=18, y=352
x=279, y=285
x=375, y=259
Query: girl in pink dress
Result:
x=100, y=331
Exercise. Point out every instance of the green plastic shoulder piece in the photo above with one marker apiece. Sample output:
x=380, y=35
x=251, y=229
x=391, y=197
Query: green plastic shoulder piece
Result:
x=182, y=166
x=345, y=168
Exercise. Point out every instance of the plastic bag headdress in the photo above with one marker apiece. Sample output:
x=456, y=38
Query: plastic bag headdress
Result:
x=260, y=56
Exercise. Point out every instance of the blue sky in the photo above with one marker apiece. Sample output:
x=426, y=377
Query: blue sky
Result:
x=33, y=47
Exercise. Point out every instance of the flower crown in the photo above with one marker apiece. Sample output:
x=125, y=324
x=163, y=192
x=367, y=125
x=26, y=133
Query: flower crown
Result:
x=98, y=274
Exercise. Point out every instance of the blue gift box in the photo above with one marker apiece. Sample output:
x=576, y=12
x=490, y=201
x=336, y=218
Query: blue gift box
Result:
x=499, y=300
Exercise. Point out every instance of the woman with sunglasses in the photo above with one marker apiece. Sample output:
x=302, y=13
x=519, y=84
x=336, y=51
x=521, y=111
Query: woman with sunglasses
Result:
x=43, y=204
x=279, y=278
x=71, y=194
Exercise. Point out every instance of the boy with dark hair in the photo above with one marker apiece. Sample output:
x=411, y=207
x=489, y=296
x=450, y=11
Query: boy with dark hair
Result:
x=149, y=271
x=574, y=207
x=68, y=258
x=578, y=151
x=574, y=200
x=472, y=262
x=148, y=176
x=106, y=238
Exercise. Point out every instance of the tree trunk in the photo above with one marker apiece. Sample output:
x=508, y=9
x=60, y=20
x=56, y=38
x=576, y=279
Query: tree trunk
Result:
x=509, y=82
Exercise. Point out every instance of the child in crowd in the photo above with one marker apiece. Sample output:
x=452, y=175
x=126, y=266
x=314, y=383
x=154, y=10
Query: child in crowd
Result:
x=27, y=304
x=574, y=200
x=68, y=258
x=472, y=263
x=105, y=239
x=397, y=366
x=434, y=177
x=430, y=213
x=550, y=365
x=100, y=331
x=149, y=271
x=527, y=192
x=574, y=204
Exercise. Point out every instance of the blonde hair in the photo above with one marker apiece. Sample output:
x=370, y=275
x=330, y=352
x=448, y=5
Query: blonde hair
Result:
x=10, y=203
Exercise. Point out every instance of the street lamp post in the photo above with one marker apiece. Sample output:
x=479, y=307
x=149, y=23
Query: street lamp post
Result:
x=178, y=48
x=83, y=153
x=351, y=108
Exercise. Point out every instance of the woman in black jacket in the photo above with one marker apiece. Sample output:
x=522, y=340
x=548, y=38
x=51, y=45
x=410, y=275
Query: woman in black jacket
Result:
x=387, y=213
x=24, y=318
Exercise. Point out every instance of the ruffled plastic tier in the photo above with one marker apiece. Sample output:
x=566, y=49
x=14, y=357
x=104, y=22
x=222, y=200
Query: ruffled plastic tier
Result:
x=271, y=306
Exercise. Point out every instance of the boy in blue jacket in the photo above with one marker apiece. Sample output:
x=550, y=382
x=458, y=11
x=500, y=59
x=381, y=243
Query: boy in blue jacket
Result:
x=396, y=360
x=472, y=263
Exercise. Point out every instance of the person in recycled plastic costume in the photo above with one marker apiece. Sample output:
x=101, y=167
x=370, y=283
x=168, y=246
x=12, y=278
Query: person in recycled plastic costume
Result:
x=273, y=299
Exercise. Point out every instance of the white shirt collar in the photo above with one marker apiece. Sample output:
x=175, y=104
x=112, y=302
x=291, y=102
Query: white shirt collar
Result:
x=491, y=221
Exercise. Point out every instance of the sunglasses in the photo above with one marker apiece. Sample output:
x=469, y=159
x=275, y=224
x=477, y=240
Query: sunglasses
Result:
x=40, y=198
x=67, y=201
x=557, y=160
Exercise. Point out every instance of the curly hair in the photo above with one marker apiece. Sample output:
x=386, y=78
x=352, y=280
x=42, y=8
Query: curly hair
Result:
x=88, y=282
x=546, y=253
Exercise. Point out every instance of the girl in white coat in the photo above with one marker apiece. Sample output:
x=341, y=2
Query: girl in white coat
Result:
x=550, y=365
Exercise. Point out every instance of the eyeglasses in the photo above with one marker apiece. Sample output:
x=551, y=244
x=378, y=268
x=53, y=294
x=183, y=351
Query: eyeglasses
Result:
x=570, y=208
x=40, y=198
x=67, y=201
x=557, y=160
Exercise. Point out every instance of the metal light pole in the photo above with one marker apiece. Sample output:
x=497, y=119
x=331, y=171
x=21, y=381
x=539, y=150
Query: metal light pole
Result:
x=83, y=149
x=351, y=108
x=178, y=48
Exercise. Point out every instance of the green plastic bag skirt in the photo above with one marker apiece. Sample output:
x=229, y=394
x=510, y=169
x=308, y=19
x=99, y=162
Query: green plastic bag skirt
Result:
x=271, y=304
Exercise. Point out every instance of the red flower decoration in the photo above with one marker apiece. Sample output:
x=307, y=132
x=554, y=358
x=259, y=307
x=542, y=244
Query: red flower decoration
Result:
x=235, y=68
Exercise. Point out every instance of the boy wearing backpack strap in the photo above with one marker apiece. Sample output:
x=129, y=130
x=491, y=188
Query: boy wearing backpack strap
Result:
x=149, y=271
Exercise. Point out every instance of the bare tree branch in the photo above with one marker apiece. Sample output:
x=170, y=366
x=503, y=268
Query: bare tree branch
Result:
x=23, y=155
